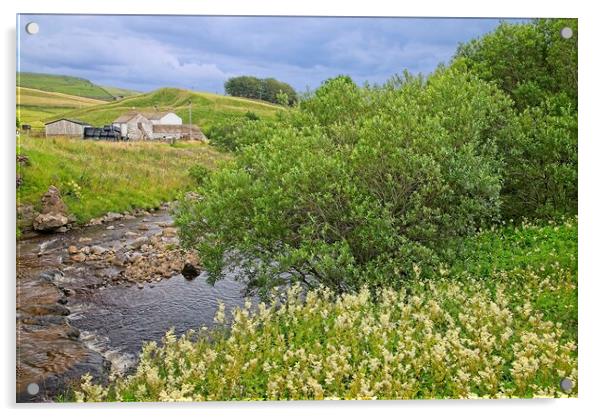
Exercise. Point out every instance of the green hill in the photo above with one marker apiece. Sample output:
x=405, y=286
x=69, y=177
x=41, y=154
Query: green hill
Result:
x=120, y=92
x=65, y=84
x=36, y=106
x=207, y=108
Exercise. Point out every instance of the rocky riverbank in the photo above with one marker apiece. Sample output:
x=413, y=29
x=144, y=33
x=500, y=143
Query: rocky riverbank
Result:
x=119, y=251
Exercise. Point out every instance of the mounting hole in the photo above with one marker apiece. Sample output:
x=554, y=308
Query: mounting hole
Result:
x=33, y=388
x=566, y=385
x=32, y=28
x=566, y=33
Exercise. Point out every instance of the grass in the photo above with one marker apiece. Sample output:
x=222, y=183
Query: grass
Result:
x=97, y=177
x=207, y=108
x=482, y=331
x=34, y=107
x=74, y=86
x=120, y=92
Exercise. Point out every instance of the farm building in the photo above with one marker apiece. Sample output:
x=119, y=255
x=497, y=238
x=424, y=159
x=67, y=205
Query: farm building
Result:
x=155, y=126
x=177, y=132
x=66, y=127
x=134, y=126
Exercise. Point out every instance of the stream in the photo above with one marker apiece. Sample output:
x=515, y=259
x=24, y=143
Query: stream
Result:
x=78, y=317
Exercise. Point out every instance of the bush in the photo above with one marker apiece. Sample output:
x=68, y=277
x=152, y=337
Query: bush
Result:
x=199, y=174
x=358, y=186
x=537, y=67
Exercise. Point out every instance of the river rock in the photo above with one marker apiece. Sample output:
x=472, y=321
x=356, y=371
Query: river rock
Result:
x=111, y=227
x=109, y=217
x=190, y=271
x=97, y=250
x=170, y=231
x=84, y=239
x=78, y=257
x=137, y=243
x=143, y=226
x=54, y=213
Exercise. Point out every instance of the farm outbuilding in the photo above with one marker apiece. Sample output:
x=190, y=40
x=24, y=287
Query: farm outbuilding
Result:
x=66, y=127
x=177, y=132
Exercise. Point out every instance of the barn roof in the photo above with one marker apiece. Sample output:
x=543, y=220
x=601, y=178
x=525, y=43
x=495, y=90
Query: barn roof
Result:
x=156, y=115
x=126, y=117
x=79, y=122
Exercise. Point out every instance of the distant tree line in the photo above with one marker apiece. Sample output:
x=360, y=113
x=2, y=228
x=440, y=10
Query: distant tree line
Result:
x=268, y=89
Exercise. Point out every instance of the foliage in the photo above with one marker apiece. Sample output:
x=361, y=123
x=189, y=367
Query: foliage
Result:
x=199, y=173
x=268, y=89
x=537, y=67
x=98, y=177
x=529, y=61
x=489, y=330
x=356, y=186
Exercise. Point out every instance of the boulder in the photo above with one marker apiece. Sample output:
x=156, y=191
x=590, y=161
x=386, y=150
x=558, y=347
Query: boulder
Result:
x=54, y=213
x=49, y=222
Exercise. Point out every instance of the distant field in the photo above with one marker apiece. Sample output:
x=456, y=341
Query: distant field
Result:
x=63, y=84
x=109, y=176
x=34, y=107
x=207, y=108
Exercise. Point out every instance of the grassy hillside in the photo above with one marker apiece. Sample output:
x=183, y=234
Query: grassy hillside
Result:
x=36, y=106
x=207, y=108
x=96, y=177
x=120, y=92
x=63, y=84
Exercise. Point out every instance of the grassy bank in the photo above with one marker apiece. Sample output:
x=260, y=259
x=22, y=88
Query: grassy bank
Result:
x=487, y=330
x=98, y=177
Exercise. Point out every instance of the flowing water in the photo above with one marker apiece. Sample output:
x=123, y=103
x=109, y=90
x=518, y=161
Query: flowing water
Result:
x=70, y=321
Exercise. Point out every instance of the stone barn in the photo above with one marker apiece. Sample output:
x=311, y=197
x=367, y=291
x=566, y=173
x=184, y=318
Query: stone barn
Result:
x=134, y=126
x=66, y=127
x=155, y=126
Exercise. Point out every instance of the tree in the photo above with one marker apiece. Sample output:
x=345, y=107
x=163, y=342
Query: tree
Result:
x=261, y=89
x=537, y=68
x=359, y=186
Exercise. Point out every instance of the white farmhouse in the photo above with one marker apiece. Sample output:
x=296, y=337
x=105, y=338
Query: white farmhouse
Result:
x=156, y=126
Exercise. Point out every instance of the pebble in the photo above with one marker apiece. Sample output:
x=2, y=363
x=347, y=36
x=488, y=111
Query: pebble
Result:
x=111, y=227
x=72, y=250
x=140, y=286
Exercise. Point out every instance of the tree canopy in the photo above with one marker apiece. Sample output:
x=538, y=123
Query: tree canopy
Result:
x=268, y=89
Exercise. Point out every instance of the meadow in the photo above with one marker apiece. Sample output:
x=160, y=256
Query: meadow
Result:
x=98, y=177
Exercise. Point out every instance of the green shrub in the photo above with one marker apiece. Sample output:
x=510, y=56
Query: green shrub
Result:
x=199, y=174
x=537, y=68
x=357, y=186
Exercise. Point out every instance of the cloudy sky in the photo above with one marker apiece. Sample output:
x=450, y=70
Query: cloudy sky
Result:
x=148, y=52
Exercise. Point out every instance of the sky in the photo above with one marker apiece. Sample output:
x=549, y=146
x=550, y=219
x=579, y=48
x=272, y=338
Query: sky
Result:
x=201, y=52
